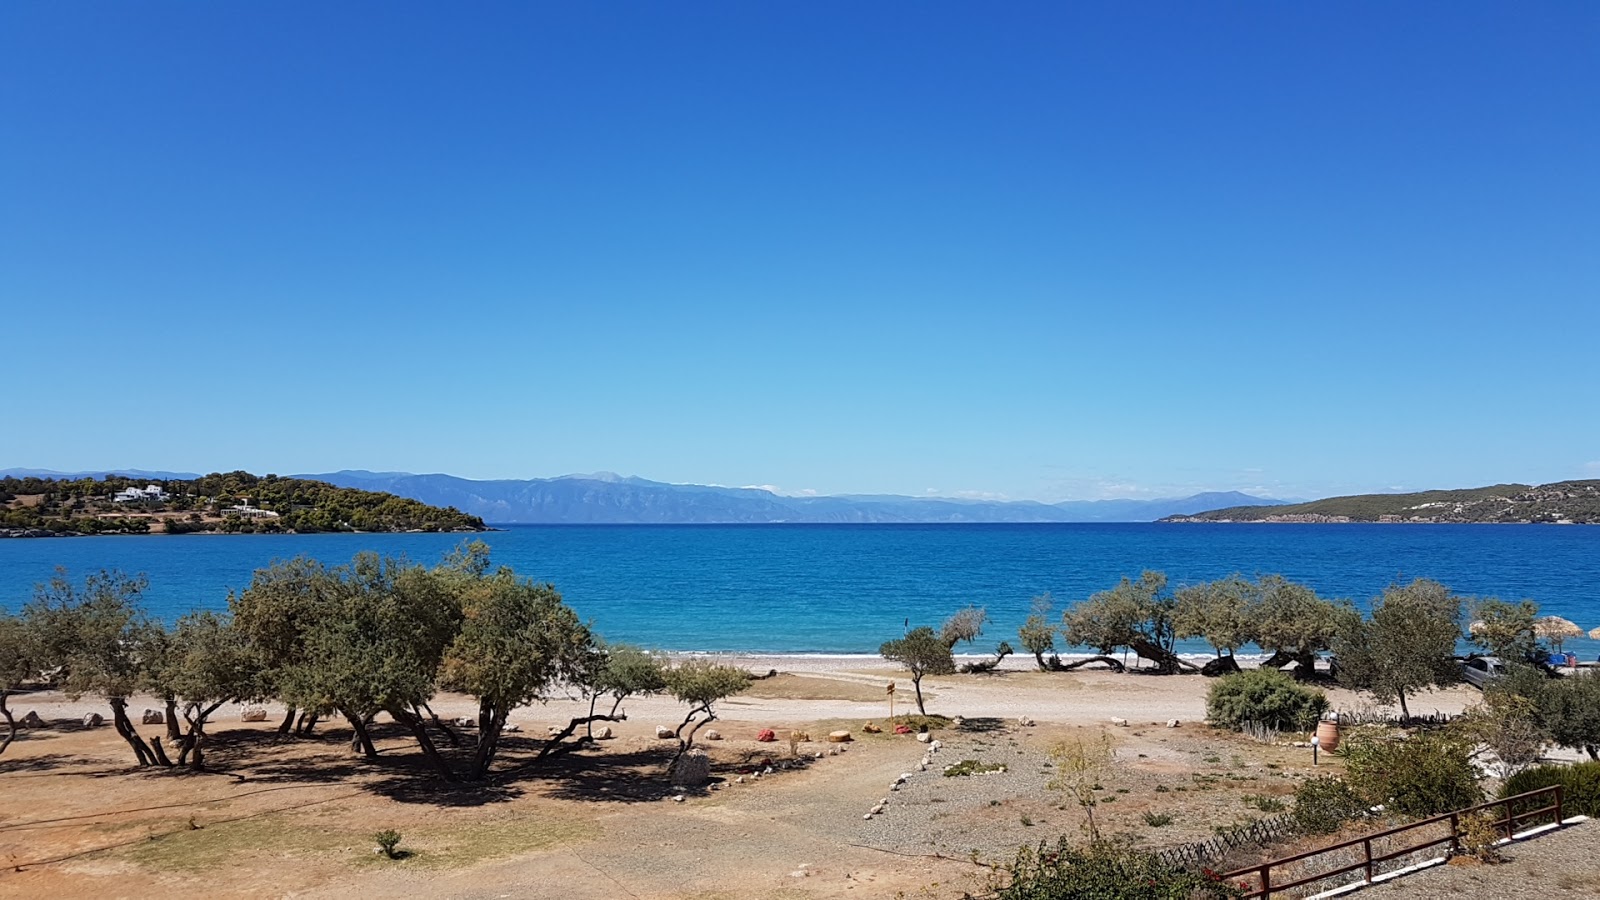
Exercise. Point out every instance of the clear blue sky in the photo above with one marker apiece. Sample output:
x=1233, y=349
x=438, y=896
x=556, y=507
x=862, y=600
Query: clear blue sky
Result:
x=1037, y=250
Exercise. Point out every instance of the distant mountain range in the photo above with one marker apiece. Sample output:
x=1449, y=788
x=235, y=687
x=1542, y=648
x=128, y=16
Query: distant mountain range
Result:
x=99, y=473
x=605, y=498
x=1560, y=503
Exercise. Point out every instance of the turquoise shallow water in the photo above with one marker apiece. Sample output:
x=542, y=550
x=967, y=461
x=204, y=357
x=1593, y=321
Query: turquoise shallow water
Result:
x=846, y=588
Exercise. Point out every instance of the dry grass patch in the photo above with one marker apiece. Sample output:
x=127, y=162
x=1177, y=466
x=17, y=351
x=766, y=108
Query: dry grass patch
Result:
x=811, y=687
x=278, y=836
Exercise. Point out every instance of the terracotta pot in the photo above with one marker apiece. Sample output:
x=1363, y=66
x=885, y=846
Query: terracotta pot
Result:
x=1328, y=735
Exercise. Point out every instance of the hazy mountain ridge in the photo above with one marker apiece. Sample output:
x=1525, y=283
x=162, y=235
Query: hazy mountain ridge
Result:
x=606, y=498
x=1561, y=502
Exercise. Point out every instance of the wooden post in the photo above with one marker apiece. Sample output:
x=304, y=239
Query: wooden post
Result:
x=890, y=691
x=1366, y=845
x=1266, y=881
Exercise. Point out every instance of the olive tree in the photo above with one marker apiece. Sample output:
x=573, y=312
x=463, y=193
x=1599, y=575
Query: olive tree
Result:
x=276, y=615
x=1408, y=643
x=922, y=653
x=1217, y=611
x=624, y=671
x=965, y=625
x=1293, y=622
x=1568, y=709
x=1505, y=629
x=516, y=640
x=701, y=684
x=1038, y=634
x=205, y=662
x=375, y=645
x=1134, y=614
x=18, y=662
x=98, y=635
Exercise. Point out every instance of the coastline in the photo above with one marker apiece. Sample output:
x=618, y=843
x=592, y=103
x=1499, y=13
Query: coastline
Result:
x=27, y=533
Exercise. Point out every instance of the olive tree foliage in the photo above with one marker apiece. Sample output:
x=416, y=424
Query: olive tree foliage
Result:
x=624, y=671
x=1137, y=615
x=1566, y=709
x=276, y=615
x=1505, y=629
x=1406, y=645
x=922, y=653
x=1290, y=620
x=1219, y=612
x=381, y=627
x=98, y=636
x=701, y=684
x=204, y=663
x=516, y=641
x=1038, y=632
x=18, y=663
x=965, y=625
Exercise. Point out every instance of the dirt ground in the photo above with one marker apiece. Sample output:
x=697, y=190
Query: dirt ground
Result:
x=296, y=817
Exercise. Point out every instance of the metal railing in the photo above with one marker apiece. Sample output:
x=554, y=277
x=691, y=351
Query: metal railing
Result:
x=1514, y=813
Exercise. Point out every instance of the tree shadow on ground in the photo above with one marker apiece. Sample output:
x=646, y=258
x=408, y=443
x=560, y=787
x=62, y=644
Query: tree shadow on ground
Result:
x=40, y=765
x=426, y=787
x=629, y=777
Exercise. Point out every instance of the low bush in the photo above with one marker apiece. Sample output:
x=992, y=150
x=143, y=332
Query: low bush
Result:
x=1480, y=836
x=1580, y=784
x=1324, y=805
x=388, y=840
x=1264, y=802
x=1264, y=698
x=1104, y=870
x=1423, y=774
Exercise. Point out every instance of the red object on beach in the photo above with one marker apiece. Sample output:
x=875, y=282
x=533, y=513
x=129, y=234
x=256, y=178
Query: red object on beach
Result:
x=902, y=729
x=766, y=736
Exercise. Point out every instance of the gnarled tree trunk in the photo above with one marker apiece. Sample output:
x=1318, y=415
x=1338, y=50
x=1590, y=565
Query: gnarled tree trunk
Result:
x=1112, y=663
x=361, y=741
x=119, y=720
x=1167, y=662
x=11, y=722
x=419, y=730
x=174, y=733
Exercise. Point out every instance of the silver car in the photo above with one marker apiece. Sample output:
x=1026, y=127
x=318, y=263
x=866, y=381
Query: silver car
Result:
x=1480, y=670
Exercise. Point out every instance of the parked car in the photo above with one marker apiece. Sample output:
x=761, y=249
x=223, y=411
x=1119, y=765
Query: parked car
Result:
x=1480, y=670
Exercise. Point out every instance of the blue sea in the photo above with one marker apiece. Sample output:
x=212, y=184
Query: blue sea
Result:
x=847, y=588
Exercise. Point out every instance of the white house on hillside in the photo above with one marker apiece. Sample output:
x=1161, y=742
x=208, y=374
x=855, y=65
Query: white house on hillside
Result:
x=252, y=512
x=139, y=495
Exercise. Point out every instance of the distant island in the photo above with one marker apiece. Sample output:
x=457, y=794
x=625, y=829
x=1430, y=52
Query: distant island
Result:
x=608, y=499
x=1561, y=503
x=232, y=503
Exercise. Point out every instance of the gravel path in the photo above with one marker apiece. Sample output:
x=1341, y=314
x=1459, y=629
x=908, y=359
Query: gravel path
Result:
x=1562, y=864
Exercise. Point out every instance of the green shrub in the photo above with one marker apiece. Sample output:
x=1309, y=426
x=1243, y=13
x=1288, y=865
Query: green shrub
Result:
x=1421, y=775
x=1264, y=802
x=1104, y=870
x=388, y=839
x=1323, y=805
x=1580, y=784
x=1264, y=697
x=1157, y=820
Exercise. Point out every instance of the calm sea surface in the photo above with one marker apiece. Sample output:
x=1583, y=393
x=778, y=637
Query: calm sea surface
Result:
x=845, y=589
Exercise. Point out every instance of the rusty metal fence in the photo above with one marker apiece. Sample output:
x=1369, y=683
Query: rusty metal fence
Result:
x=1361, y=855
